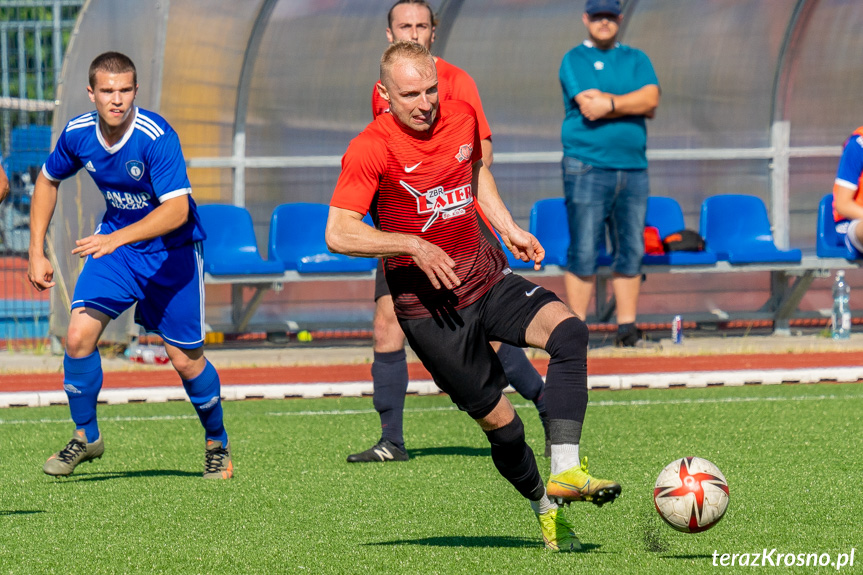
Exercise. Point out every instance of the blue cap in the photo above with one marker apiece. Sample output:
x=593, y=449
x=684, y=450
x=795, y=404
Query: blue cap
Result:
x=602, y=7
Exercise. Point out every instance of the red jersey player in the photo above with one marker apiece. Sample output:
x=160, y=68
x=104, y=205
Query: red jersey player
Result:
x=418, y=171
x=414, y=21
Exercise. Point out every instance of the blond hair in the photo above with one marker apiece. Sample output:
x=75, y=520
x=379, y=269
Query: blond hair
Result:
x=403, y=50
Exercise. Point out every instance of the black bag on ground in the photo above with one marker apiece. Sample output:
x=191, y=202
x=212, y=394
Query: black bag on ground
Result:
x=684, y=241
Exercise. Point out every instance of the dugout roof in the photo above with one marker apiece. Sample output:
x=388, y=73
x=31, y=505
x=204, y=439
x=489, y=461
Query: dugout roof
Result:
x=266, y=94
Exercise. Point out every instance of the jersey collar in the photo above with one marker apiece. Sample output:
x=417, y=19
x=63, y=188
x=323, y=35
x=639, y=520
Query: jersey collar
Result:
x=116, y=147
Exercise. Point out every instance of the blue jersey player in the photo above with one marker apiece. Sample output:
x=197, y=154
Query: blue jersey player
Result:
x=146, y=250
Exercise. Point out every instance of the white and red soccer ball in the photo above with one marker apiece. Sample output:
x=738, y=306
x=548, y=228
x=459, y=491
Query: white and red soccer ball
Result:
x=691, y=494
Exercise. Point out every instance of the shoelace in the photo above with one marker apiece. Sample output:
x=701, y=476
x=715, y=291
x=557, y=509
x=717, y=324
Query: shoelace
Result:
x=72, y=450
x=214, y=460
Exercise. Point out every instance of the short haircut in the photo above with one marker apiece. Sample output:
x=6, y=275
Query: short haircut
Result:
x=112, y=63
x=403, y=49
x=423, y=3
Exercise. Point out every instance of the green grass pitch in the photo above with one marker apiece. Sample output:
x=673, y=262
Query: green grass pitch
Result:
x=792, y=456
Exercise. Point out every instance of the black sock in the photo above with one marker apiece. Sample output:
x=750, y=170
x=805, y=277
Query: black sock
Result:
x=566, y=380
x=627, y=333
x=514, y=459
x=390, y=377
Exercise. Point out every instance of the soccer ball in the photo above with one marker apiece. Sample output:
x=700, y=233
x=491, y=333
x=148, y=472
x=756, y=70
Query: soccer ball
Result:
x=691, y=494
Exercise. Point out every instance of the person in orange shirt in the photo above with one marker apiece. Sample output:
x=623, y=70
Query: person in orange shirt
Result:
x=847, y=199
x=414, y=21
x=4, y=185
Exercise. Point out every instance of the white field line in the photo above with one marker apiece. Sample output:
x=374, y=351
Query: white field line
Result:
x=604, y=403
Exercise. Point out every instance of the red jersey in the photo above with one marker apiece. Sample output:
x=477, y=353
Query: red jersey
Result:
x=419, y=183
x=453, y=84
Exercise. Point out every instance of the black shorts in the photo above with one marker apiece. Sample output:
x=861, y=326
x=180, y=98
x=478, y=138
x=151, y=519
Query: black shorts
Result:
x=455, y=347
x=381, y=287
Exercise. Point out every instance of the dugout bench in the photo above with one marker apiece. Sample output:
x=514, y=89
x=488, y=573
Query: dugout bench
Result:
x=736, y=229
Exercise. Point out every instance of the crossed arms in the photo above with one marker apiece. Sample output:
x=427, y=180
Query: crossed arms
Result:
x=596, y=105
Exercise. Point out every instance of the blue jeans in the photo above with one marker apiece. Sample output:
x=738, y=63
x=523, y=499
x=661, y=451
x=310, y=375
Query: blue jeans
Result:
x=596, y=198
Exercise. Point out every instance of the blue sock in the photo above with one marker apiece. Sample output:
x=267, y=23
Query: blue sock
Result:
x=390, y=380
x=204, y=392
x=82, y=380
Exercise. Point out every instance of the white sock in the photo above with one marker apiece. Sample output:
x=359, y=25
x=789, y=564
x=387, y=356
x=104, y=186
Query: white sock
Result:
x=563, y=457
x=544, y=505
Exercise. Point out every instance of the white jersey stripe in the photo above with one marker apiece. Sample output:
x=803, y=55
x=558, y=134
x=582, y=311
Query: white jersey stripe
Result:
x=48, y=175
x=175, y=194
x=846, y=184
x=70, y=127
x=85, y=118
x=151, y=123
x=146, y=129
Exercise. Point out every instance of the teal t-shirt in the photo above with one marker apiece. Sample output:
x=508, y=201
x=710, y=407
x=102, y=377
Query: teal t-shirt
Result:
x=618, y=143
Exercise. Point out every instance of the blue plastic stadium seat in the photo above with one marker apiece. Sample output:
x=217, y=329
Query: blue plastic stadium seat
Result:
x=231, y=247
x=549, y=224
x=829, y=243
x=297, y=240
x=665, y=215
x=737, y=229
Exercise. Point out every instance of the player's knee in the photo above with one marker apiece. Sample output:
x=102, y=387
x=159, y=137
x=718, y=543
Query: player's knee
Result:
x=509, y=436
x=388, y=334
x=189, y=363
x=568, y=340
x=79, y=342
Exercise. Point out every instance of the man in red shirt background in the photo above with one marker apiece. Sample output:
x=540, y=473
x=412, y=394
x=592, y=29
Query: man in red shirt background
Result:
x=414, y=21
x=419, y=171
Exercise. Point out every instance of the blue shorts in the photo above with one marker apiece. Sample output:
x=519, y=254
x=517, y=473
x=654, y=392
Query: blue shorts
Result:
x=596, y=198
x=168, y=287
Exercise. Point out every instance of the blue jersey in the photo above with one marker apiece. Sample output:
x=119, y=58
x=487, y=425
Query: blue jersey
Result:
x=143, y=169
x=850, y=171
x=616, y=143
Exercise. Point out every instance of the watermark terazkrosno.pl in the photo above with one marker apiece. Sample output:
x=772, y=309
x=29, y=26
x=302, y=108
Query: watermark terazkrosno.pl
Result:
x=774, y=558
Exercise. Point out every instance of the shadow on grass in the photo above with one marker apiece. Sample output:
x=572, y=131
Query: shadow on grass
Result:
x=79, y=477
x=450, y=450
x=475, y=541
x=4, y=512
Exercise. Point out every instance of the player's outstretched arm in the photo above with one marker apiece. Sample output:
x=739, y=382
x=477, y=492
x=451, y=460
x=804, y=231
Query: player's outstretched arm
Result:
x=521, y=243
x=347, y=234
x=167, y=217
x=40, y=272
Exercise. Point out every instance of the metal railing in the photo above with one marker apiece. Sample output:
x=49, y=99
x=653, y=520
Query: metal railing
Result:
x=777, y=155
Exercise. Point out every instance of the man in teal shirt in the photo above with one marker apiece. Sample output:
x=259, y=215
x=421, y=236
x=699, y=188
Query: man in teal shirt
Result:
x=608, y=91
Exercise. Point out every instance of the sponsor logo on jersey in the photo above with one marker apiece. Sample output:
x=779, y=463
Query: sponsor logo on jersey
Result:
x=90, y=167
x=135, y=169
x=127, y=201
x=599, y=65
x=412, y=168
x=440, y=203
x=464, y=153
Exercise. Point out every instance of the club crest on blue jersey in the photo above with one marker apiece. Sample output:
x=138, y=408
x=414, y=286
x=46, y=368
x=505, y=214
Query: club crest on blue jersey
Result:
x=135, y=169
